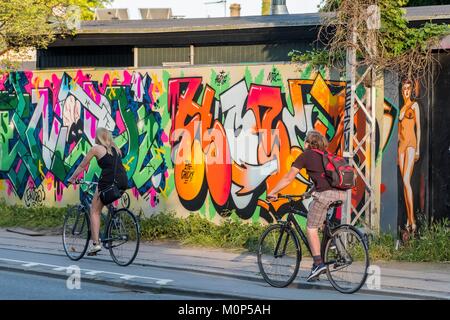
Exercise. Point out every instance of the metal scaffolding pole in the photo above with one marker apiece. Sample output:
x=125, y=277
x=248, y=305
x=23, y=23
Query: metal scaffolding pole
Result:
x=360, y=128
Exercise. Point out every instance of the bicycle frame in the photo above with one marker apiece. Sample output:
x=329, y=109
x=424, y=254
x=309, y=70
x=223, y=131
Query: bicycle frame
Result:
x=292, y=221
x=105, y=217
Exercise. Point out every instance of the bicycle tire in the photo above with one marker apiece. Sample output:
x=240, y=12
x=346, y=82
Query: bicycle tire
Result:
x=117, y=221
x=287, y=230
x=76, y=212
x=337, y=246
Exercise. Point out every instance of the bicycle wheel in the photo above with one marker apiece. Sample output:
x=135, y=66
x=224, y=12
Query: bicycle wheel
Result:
x=123, y=237
x=347, y=259
x=76, y=232
x=279, y=255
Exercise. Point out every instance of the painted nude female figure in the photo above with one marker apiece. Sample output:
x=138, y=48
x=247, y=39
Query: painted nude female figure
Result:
x=408, y=148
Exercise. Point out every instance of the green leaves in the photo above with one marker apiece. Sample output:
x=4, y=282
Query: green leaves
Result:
x=400, y=48
x=36, y=23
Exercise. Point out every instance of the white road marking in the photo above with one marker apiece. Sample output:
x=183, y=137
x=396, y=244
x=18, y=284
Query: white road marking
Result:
x=88, y=271
x=93, y=273
x=60, y=269
x=30, y=264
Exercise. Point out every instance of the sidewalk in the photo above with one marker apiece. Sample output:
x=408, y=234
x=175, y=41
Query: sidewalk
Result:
x=427, y=280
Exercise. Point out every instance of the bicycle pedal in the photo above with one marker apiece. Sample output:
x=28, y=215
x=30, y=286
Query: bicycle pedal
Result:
x=91, y=254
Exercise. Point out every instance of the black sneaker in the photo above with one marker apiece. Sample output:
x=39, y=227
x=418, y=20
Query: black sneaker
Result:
x=316, y=271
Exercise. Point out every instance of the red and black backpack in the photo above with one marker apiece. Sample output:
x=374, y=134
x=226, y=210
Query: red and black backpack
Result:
x=338, y=172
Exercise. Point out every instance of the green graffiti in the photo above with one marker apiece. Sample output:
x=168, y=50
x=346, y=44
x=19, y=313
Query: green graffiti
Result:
x=148, y=126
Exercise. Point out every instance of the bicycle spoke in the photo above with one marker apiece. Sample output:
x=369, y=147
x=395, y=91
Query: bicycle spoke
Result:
x=75, y=233
x=347, y=260
x=123, y=237
x=278, y=256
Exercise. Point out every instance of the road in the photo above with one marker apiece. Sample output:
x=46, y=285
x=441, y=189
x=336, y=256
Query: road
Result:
x=27, y=286
x=43, y=275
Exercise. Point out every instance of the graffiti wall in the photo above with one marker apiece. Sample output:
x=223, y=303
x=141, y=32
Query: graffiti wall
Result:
x=212, y=140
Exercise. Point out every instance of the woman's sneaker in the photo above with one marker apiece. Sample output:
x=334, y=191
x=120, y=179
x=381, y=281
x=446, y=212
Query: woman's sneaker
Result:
x=92, y=251
x=316, y=271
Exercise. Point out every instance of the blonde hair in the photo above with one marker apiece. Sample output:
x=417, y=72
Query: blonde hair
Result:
x=104, y=137
x=316, y=140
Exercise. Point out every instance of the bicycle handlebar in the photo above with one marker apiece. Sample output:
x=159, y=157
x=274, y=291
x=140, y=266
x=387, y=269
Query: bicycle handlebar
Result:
x=293, y=197
x=81, y=181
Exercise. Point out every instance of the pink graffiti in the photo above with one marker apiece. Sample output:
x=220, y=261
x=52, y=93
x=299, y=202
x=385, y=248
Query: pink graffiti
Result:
x=152, y=194
x=89, y=89
x=139, y=86
x=93, y=121
x=82, y=78
x=135, y=193
x=126, y=78
x=106, y=82
x=10, y=187
x=49, y=178
x=18, y=165
x=58, y=110
x=72, y=146
x=56, y=126
x=3, y=79
x=59, y=191
x=44, y=93
x=119, y=122
x=30, y=182
x=164, y=137
x=29, y=85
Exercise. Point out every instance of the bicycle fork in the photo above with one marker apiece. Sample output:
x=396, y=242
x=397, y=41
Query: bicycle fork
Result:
x=77, y=221
x=277, y=247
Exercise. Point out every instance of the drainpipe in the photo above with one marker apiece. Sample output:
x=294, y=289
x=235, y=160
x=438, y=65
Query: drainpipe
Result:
x=191, y=47
x=279, y=7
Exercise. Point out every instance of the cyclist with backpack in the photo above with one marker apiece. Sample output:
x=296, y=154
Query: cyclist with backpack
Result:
x=331, y=176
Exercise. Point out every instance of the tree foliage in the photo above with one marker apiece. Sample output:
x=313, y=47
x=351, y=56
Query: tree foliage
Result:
x=396, y=46
x=36, y=23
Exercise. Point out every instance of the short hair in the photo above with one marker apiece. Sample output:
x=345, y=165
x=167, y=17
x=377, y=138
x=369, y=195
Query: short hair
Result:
x=316, y=140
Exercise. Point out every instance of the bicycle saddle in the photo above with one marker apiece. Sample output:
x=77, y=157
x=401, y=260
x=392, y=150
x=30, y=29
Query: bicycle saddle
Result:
x=336, y=204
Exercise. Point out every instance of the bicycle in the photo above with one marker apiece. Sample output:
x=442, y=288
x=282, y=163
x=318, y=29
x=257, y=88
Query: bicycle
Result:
x=342, y=247
x=121, y=232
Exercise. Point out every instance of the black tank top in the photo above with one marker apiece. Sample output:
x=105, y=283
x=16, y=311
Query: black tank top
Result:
x=107, y=163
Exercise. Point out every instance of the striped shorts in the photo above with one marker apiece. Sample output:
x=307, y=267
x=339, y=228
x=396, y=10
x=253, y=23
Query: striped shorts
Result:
x=319, y=206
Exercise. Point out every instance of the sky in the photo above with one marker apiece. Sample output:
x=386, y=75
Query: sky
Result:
x=198, y=8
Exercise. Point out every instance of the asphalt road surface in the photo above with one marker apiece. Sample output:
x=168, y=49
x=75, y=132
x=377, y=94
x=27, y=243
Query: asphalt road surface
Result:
x=33, y=275
x=26, y=286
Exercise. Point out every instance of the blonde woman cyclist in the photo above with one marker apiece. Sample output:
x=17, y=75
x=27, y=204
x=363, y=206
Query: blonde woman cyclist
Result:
x=107, y=153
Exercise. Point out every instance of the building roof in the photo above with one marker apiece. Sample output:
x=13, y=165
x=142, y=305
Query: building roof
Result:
x=200, y=24
x=425, y=13
x=210, y=31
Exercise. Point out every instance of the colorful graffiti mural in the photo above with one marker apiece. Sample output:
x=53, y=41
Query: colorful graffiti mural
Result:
x=188, y=143
x=48, y=126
